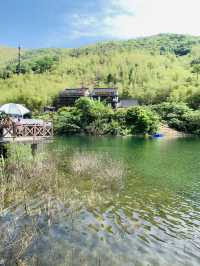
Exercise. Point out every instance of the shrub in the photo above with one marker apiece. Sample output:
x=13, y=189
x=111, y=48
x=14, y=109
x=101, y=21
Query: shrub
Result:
x=44, y=64
x=168, y=111
x=194, y=100
x=142, y=120
x=91, y=110
x=179, y=116
x=192, y=122
x=67, y=121
x=120, y=117
x=98, y=127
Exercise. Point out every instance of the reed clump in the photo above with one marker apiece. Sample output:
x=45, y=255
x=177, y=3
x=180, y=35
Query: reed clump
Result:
x=23, y=177
x=103, y=172
x=83, y=174
x=49, y=187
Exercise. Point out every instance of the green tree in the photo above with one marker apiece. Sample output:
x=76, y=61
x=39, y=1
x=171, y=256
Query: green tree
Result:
x=196, y=70
x=142, y=120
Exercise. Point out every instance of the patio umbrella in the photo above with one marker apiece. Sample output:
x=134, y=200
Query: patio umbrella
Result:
x=14, y=109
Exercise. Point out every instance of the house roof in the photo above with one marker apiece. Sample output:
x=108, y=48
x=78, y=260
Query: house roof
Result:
x=74, y=92
x=125, y=103
x=104, y=91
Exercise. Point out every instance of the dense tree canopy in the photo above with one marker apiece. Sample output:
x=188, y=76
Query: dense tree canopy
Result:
x=96, y=118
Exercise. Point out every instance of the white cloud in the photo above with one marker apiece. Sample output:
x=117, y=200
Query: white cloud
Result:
x=126, y=19
x=127, y=6
x=83, y=20
x=133, y=18
x=147, y=17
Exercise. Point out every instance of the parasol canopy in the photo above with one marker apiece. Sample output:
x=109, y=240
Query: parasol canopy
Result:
x=14, y=109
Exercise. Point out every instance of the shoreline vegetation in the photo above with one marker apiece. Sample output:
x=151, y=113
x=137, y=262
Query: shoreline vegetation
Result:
x=96, y=118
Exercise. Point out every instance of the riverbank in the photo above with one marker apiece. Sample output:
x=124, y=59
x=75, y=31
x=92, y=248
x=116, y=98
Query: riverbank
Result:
x=168, y=132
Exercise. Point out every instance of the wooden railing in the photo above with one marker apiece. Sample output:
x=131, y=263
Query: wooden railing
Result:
x=45, y=130
x=6, y=127
x=10, y=129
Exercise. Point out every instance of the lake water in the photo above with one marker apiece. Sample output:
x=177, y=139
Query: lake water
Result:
x=152, y=219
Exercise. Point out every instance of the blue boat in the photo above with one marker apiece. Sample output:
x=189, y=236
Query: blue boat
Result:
x=158, y=135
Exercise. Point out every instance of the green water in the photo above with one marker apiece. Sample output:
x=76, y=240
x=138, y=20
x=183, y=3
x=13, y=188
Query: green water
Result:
x=154, y=219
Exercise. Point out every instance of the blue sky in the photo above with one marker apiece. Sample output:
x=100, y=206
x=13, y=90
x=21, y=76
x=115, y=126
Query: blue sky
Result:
x=67, y=23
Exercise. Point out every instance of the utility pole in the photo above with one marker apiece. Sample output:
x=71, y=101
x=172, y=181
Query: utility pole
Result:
x=19, y=60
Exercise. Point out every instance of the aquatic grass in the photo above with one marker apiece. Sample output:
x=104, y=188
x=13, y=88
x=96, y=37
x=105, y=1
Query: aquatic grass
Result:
x=49, y=187
x=84, y=163
x=110, y=177
x=104, y=172
x=23, y=176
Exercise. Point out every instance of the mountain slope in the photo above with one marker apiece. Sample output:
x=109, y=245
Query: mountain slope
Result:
x=7, y=53
x=153, y=69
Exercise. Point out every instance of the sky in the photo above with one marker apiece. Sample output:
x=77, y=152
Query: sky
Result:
x=73, y=23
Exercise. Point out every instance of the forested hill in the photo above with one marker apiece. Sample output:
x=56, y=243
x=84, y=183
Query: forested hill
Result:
x=162, y=43
x=160, y=68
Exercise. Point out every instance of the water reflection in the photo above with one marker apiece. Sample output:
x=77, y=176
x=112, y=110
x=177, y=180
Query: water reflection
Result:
x=152, y=220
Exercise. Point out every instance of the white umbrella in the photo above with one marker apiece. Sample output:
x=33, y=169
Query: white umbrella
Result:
x=14, y=109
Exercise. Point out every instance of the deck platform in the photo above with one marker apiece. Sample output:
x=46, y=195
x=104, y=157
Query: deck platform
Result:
x=26, y=140
x=27, y=131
